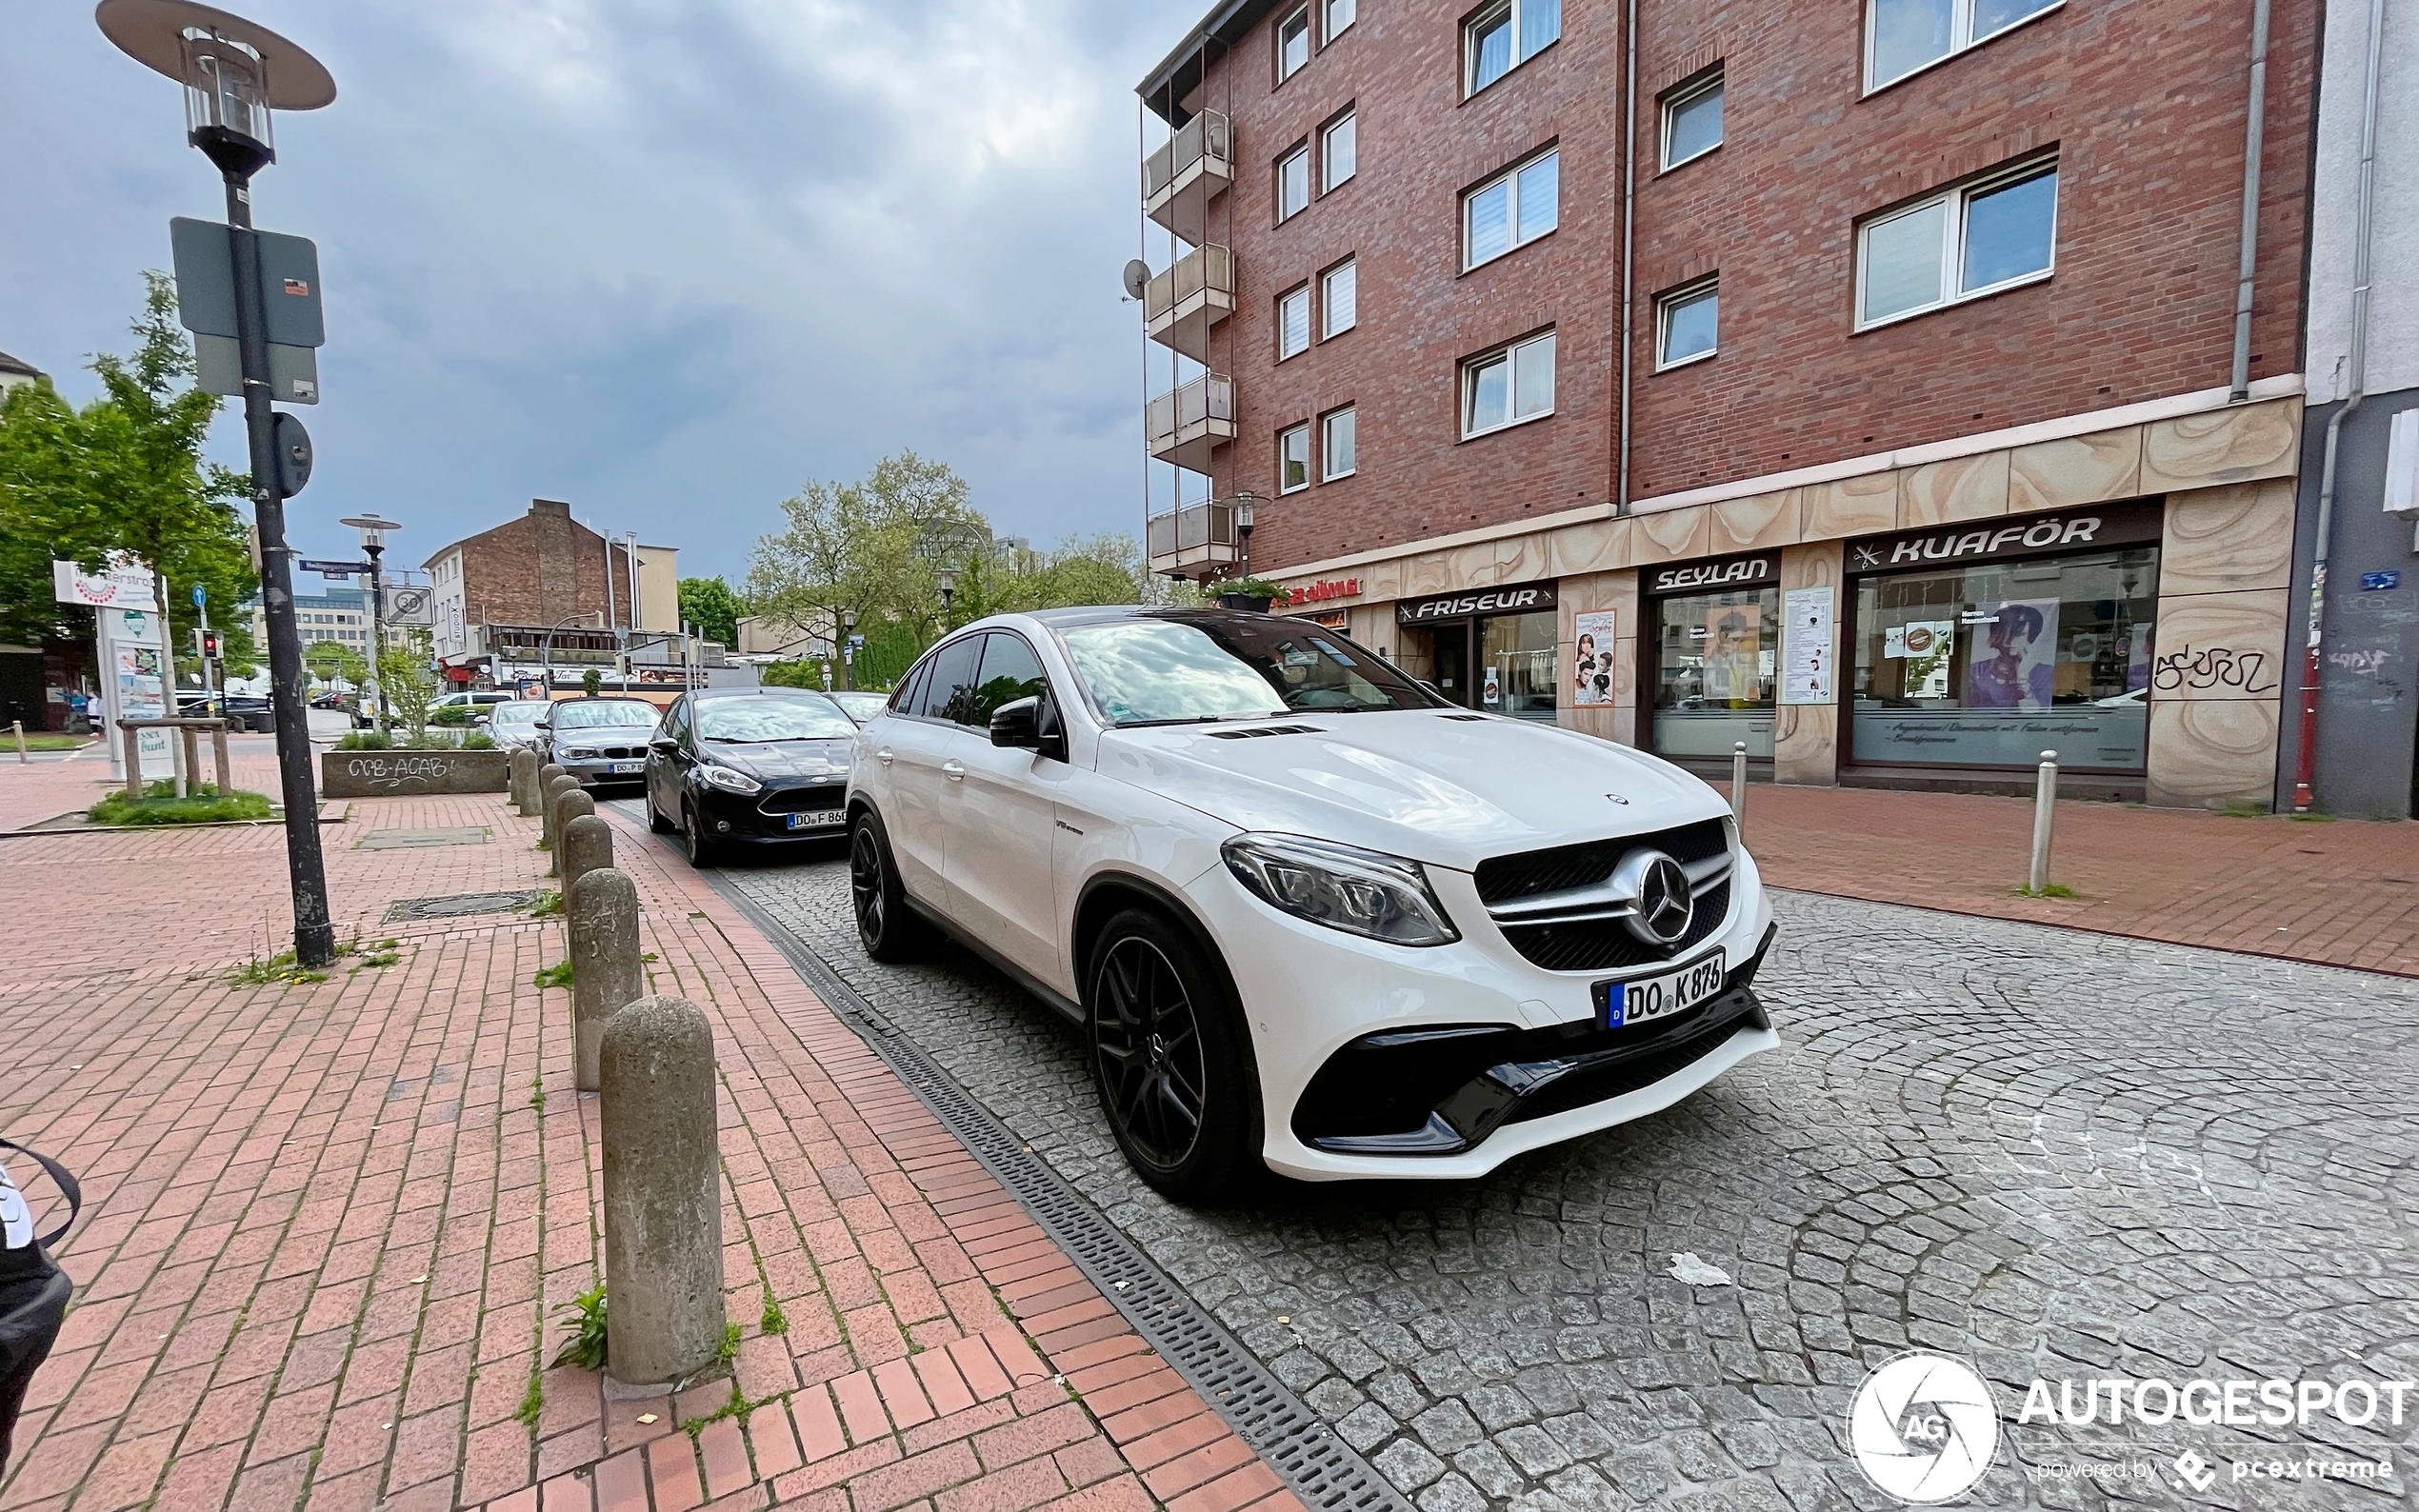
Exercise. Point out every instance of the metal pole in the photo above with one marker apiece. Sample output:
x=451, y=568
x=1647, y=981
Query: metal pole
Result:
x=2254, y=145
x=377, y=620
x=168, y=683
x=314, y=935
x=16, y=727
x=1738, y=788
x=201, y=632
x=2044, y=800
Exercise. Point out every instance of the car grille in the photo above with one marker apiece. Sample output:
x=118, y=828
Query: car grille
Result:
x=804, y=800
x=600, y=754
x=1605, y=943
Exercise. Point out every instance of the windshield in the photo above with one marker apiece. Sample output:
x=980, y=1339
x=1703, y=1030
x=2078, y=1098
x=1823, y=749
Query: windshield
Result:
x=592, y=713
x=798, y=717
x=860, y=707
x=1183, y=666
x=529, y=712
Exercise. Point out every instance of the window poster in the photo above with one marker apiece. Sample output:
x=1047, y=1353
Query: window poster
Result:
x=1807, y=674
x=2013, y=660
x=1593, y=681
x=1732, y=671
x=1924, y=645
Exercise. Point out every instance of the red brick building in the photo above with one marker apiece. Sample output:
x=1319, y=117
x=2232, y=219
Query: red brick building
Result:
x=1876, y=271
x=495, y=595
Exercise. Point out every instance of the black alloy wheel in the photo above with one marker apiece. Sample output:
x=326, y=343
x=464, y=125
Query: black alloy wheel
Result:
x=886, y=926
x=1174, y=1078
x=703, y=852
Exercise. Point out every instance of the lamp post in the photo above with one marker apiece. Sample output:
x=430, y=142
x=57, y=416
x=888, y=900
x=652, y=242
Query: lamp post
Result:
x=373, y=545
x=947, y=578
x=234, y=74
x=545, y=651
x=1243, y=502
x=848, y=650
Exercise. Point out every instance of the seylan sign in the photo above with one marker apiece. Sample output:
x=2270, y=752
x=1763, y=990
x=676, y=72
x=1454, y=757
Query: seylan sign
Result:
x=2019, y=536
x=1518, y=599
x=1734, y=573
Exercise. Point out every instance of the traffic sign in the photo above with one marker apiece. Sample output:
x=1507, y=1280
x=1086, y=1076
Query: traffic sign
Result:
x=333, y=569
x=199, y=597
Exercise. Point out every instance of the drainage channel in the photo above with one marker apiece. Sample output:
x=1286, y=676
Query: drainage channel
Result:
x=1322, y=1469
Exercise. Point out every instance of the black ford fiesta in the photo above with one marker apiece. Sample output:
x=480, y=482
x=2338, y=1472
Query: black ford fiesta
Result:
x=738, y=765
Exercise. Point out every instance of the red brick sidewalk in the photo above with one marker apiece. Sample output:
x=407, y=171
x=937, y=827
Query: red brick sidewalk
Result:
x=328, y=1224
x=2345, y=893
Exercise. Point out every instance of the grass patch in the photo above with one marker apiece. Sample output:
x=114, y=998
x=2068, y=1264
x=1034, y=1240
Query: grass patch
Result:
x=2313, y=818
x=774, y=1320
x=650, y=956
x=52, y=742
x=549, y=903
x=393, y=739
x=586, y=1348
x=532, y=1401
x=201, y=805
x=557, y=975
x=2054, y=889
x=2241, y=810
x=276, y=970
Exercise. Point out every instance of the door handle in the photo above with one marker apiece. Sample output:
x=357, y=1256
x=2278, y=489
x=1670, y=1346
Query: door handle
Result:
x=882, y=756
x=954, y=769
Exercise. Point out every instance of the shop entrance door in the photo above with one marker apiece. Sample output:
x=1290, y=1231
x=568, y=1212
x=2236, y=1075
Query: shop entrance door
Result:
x=1452, y=665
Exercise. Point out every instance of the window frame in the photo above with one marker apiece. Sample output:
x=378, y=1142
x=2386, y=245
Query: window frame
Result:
x=1512, y=204
x=1309, y=41
x=1960, y=196
x=1327, y=448
x=1328, y=330
x=1349, y=116
x=1510, y=10
x=1961, y=24
x=1298, y=153
x=1688, y=92
x=1308, y=327
x=1669, y=303
x=1478, y=362
x=1329, y=31
x=1301, y=429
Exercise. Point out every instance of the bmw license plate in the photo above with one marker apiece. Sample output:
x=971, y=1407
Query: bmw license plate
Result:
x=627, y=768
x=1659, y=997
x=820, y=819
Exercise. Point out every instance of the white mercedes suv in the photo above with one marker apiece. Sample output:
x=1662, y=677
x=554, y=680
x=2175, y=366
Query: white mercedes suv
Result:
x=1308, y=914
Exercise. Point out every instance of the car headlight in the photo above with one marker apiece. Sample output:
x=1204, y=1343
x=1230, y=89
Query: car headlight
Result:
x=1361, y=892
x=729, y=781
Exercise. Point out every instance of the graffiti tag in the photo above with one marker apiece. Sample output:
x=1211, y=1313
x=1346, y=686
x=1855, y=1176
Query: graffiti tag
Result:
x=2212, y=667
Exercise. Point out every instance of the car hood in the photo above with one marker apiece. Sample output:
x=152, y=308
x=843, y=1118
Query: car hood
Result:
x=777, y=761
x=591, y=736
x=1446, y=790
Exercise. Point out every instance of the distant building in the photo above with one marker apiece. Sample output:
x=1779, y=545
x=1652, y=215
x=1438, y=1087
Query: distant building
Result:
x=546, y=588
x=15, y=371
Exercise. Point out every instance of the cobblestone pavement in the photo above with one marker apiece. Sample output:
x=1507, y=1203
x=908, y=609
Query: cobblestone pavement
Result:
x=2057, y=1153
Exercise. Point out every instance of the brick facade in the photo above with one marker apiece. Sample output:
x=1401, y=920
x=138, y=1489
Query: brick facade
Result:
x=537, y=569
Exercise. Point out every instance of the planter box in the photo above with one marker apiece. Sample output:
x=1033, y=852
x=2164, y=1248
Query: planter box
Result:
x=407, y=773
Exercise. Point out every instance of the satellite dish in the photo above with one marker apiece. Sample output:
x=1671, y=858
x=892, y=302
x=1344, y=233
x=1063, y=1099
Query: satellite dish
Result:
x=1137, y=278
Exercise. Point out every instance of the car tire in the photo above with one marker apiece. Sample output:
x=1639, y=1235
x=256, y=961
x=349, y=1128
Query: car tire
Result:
x=704, y=854
x=655, y=821
x=1168, y=1058
x=889, y=930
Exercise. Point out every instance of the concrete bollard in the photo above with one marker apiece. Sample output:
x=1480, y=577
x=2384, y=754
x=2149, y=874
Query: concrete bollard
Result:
x=587, y=844
x=663, y=1192
x=520, y=771
x=1738, y=789
x=547, y=796
x=569, y=802
x=606, y=973
x=541, y=794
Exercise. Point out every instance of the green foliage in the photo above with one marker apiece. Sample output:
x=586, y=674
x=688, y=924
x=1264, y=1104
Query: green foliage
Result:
x=586, y=1348
x=774, y=1321
x=2054, y=889
x=550, y=903
x=405, y=740
x=334, y=662
x=872, y=547
x=276, y=970
x=591, y=682
x=728, y=1349
x=557, y=975
x=715, y=606
x=159, y=805
x=796, y=674
x=1249, y=587
x=37, y=740
x=408, y=686
x=532, y=1400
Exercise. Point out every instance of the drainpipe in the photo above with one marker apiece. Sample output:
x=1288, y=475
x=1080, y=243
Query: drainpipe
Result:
x=2306, y=759
x=1629, y=275
x=2254, y=139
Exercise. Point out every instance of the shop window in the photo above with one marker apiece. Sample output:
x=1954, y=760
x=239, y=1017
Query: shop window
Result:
x=1991, y=234
x=1516, y=665
x=1692, y=119
x=1294, y=459
x=1685, y=324
x=1512, y=210
x=1903, y=35
x=1715, y=656
x=1508, y=386
x=1991, y=664
x=1502, y=36
x=1293, y=44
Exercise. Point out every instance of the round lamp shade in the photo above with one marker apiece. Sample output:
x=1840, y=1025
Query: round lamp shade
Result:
x=153, y=33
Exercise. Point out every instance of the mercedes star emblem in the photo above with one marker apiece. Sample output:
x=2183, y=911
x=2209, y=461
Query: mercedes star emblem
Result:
x=1665, y=906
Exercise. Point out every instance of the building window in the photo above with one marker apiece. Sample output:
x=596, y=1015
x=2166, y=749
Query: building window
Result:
x=1903, y=35
x=1340, y=14
x=1512, y=210
x=1685, y=324
x=1508, y=386
x=1293, y=183
x=1504, y=36
x=1339, y=299
x=1339, y=152
x=1293, y=321
x=1293, y=44
x=1988, y=235
x=1294, y=459
x=1337, y=445
x=1692, y=119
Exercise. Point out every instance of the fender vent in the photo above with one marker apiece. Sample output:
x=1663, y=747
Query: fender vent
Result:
x=1464, y=717
x=1256, y=731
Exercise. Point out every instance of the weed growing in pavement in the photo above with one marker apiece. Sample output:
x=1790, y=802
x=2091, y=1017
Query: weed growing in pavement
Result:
x=276, y=970
x=737, y=1406
x=538, y=1093
x=2243, y=810
x=728, y=1349
x=2054, y=889
x=774, y=1320
x=380, y=955
x=546, y=904
x=2319, y=819
x=650, y=956
x=557, y=975
x=586, y=1348
x=532, y=1401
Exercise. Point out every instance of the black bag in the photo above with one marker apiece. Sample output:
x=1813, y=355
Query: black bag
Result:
x=33, y=1293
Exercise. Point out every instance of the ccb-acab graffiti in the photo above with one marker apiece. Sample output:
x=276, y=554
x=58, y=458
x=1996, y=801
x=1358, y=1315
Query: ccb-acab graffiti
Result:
x=397, y=769
x=2199, y=669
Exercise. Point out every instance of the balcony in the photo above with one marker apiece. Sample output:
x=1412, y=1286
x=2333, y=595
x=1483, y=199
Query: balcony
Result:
x=1196, y=540
x=1186, y=424
x=1181, y=304
x=1181, y=180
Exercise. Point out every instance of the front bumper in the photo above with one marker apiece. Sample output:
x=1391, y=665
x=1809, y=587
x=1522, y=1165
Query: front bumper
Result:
x=1380, y=1061
x=595, y=769
x=763, y=818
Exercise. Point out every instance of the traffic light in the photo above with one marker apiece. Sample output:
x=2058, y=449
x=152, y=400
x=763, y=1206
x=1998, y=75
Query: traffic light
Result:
x=210, y=646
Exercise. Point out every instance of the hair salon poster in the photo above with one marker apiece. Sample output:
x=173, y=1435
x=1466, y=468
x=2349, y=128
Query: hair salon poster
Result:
x=1806, y=673
x=1593, y=656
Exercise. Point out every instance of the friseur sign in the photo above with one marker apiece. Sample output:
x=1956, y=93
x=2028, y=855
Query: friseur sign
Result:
x=1516, y=599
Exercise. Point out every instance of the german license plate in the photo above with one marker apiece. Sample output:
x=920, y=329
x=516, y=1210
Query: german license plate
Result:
x=627, y=768
x=1659, y=997
x=820, y=819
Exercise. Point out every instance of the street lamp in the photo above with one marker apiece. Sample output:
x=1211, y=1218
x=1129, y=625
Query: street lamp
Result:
x=234, y=74
x=1243, y=502
x=373, y=545
x=847, y=648
x=948, y=579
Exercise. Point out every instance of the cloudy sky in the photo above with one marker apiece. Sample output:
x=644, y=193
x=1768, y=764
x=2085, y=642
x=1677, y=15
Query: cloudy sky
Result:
x=667, y=259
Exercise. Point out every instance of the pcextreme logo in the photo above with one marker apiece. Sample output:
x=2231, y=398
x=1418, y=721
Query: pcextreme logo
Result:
x=1922, y=1427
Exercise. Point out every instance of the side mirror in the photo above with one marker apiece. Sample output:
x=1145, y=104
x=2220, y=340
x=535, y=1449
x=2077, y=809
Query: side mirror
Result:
x=663, y=745
x=485, y=720
x=1017, y=723
x=546, y=723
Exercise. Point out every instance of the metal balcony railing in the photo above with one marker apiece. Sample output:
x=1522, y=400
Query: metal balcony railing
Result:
x=1186, y=424
x=1183, y=301
x=1196, y=540
x=1193, y=167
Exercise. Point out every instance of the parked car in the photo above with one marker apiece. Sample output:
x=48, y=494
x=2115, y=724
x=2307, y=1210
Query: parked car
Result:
x=514, y=723
x=598, y=739
x=1309, y=915
x=744, y=765
x=242, y=711
x=464, y=708
x=860, y=706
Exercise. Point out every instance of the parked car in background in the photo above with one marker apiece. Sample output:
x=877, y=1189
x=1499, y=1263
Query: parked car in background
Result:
x=242, y=711
x=860, y=706
x=464, y=708
x=746, y=766
x=513, y=725
x=1310, y=916
x=598, y=739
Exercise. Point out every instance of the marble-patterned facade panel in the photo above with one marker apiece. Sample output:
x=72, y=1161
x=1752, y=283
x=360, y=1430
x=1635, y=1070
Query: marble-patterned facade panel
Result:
x=1859, y=505
x=1758, y=522
x=1673, y=535
x=2219, y=645
x=1598, y=546
x=2237, y=445
x=2103, y=466
x=2207, y=754
x=2227, y=539
x=1959, y=488
x=1805, y=745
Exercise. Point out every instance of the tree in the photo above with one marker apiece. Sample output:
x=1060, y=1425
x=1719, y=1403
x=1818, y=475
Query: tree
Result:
x=333, y=661
x=591, y=682
x=407, y=683
x=715, y=606
x=871, y=547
